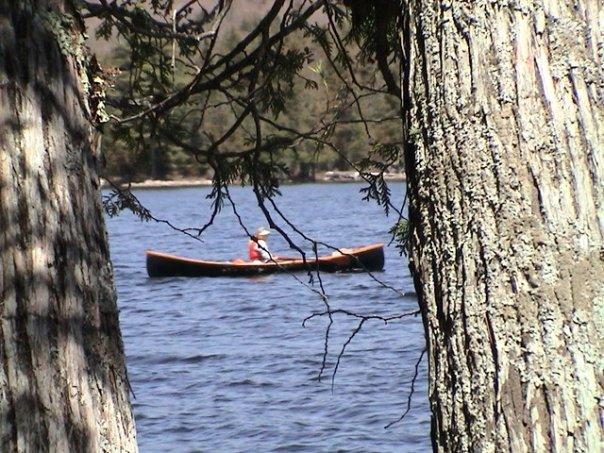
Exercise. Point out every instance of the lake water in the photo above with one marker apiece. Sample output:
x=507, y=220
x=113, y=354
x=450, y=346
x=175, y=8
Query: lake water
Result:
x=224, y=364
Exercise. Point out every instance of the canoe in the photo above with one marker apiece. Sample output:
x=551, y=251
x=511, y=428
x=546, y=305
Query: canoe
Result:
x=369, y=257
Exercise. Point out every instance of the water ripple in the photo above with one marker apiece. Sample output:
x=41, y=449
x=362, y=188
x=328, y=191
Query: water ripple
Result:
x=225, y=365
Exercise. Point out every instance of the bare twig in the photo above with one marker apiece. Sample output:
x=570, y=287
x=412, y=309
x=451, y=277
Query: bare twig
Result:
x=411, y=392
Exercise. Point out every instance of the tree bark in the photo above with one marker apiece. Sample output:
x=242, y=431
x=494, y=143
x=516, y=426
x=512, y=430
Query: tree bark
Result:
x=63, y=384
x=505, y=164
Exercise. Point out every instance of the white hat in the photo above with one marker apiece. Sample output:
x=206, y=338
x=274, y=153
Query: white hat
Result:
x=262, y=232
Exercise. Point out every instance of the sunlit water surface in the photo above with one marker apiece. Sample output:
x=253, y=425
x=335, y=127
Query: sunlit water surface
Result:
x=224, y=364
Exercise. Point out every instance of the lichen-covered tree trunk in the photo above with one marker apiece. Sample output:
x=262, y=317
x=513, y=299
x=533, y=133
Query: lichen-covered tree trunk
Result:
x=63, y=383
x=506, y=181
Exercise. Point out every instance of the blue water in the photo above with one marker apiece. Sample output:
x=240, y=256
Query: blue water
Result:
x=224, y=364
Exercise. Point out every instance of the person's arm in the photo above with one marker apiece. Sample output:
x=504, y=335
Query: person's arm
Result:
x=263, y=250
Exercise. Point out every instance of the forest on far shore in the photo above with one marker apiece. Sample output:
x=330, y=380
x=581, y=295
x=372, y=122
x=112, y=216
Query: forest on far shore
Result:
x=141, y=153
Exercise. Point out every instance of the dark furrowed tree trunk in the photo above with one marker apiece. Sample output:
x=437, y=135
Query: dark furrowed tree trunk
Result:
x=505, y=173
x=63, y=383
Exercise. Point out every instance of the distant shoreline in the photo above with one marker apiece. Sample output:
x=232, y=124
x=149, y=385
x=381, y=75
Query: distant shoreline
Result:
x=327, y=178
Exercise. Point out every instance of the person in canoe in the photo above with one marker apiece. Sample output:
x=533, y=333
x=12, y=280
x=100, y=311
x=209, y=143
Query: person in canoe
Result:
x=258, y=248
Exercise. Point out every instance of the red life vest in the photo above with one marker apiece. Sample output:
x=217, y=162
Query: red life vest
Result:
x=252, y=251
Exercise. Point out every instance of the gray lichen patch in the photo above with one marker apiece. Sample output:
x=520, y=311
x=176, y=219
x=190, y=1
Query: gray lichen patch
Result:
x=506, y=186
x=71, y=40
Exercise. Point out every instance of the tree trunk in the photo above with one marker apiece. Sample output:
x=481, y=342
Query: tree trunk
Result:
x=63, y=381
x=505, y=165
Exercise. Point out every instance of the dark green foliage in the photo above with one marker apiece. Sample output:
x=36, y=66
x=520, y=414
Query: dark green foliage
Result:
x=117, y=201
x=288, y=107
x=374, y=22
x=375, y=26
x=281, y=97
x=400, y=235
x=381, y=158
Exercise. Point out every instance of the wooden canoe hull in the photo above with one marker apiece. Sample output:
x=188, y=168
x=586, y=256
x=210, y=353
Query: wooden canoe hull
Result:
x=369, y=258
